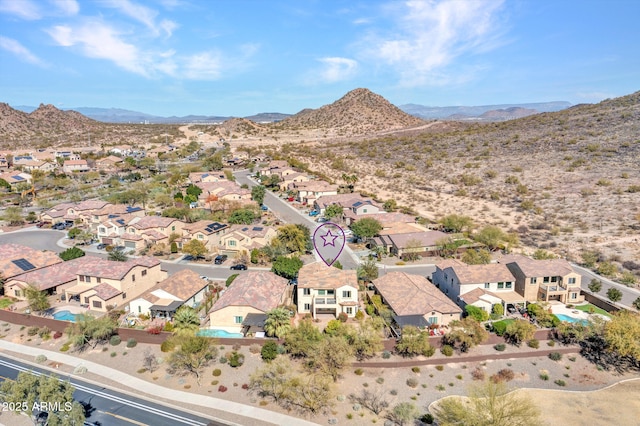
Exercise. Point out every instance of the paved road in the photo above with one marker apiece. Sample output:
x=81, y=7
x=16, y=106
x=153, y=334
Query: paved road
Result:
x=39, y=239
x=109, y=407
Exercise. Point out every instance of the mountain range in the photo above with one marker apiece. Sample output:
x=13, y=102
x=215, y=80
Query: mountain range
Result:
x=499, y=112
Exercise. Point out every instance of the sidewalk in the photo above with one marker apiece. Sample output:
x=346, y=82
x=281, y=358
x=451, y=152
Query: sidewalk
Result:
x=153, y=391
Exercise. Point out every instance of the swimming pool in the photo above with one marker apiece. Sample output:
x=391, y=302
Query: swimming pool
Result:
x=567, y=318
x=208, y=332
x=64, y=316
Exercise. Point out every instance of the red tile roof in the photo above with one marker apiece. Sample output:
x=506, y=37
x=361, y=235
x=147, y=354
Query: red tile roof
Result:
x=104, y=268
x=55, y=275
x=15, y=252
x=319, y=275
x=261, y=290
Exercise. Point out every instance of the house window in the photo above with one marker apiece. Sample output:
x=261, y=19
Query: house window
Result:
x=331, y=292
x=322, y=292
x=232, y=243
x=97, y=304
x=81, y=278
x=87, y=278
x=173, y=228
x=307, y=306
x=487, y=285
x=574, y=295
x=124, y=295
x=554, y=279
x=102, y=230
x=200, y=236
x=346, y=294
x=349, y=310
x=139, y=309
x=508, y=284
x=306, y=291
x=433, y=320
x=86, y=300
x=534, y=280
x=364, y=210
x=98, y=280
x=572, y=280
x=500, y=285
x=545, y=280
x=18, y=293
x=133, y=277
x=144, y=273
x=237, y=320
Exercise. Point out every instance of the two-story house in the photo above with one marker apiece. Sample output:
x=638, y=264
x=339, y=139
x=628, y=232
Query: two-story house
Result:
x=104, y=283
x=244, y=238
x=75, y=166
x=546, y=280
x=207, y=232
x=356, y=203
x=326, y=290
x=308, y=192
x=109, y=163
x=414, y=300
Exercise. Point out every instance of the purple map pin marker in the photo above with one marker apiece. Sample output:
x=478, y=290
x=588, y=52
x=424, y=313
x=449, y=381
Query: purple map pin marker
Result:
x=328, y=240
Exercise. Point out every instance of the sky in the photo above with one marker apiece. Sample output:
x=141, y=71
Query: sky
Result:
x=243, y=57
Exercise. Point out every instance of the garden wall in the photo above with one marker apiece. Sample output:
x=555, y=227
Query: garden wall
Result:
x=600, y=303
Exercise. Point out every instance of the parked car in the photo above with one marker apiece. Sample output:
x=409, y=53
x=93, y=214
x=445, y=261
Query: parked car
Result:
x=119, y=248
x=239, y=267
x=314, y=213
x=322, y=220
x=264, y=208
x=41, y=224
x=219, y=260
x=101, y=246
x=58, y=226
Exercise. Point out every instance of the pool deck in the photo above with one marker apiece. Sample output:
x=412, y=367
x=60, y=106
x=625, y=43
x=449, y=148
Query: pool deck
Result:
x=558, y=308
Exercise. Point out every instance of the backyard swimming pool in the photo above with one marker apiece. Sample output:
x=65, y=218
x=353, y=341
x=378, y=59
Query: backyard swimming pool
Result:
x=567, y=318
x=208, y=332
x=64, y=316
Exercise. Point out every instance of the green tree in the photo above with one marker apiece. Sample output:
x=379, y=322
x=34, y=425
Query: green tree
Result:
x=368, y=270
x=242, y=217
x=71, y=253
x=195, y=353
x=636, y=303
x=491, y=236
x=447, y=247
x=278, y=322
x=293, y=238
x=333, y=354
x=117, y=256
x=366, y=227
x=476, y=257
x=414, y=342
x=74, y=232
x=333, y=210
x=595, y=285
x=489, y=404
x=286, y=267
x=607, y=269
x=302, y=341
x=404, y=413
x=457, y=223
x=29, y=391
x=465, y=334
x=541, y=254
x=193, y=190
x=589, y=258
x=622, y=336
x=476, y=313
x=195, y=248
x=257, y=194
x=185, y=320
x=518, y=331
x=390, y=205
x=38, y=300
x=213, y=162
x=269, y=351
x=13, y=215
x=89, y=329
x=614, y=294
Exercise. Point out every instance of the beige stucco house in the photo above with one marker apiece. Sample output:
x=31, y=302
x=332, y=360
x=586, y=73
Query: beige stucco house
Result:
x=324, y=289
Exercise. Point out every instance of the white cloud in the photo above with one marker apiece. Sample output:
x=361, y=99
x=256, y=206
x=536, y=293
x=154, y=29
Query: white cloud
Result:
x=203, y=66
x=67, y=7
x=144, y=15
x=98, y=40
x=337, y=69
x=429, y=35
x=25, y=9
x=20, y=51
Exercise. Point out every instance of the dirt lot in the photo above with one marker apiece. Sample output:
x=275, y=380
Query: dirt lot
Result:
x=451, y=377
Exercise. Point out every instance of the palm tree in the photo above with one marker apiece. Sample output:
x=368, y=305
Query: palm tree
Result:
x=278, y=322
x=118, y=256
x=186, y=320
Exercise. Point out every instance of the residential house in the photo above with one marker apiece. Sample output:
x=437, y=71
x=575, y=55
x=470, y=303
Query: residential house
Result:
x=245, y=303
x=149, y=230
x=205, y=231
x=104, y=283
x=16, y=259
x=308, y=192
x=123, y=150
x=52, y=279
x=456, y=279
x=273, y=167
x=324, y=289
x=14, y=178
x=207, y=177
x=415, y=301
x=109, y=163
x=546, y=280
x=110, y=230
x=75, y=166
x=31, y=165
x=291, y=179
x=83, y=211
x=222, y=190
x=358, y=204
x=4, y=164
x=67, y=155
x=56, y=213
x=244, y=238
x=423, y=243
x=184, y=288
x=112, y=211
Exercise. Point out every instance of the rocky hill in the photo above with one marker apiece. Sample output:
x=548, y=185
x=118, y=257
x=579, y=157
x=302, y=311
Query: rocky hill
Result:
x=358, y=112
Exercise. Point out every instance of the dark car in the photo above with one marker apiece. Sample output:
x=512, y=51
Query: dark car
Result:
x=239, y=267
x=119, y=248
x=219, y=260
x=101, y=246
x=58, y=226
x=41, y=224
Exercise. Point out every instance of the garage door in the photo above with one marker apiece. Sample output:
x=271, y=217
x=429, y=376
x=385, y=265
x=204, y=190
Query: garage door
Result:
x=130, y=244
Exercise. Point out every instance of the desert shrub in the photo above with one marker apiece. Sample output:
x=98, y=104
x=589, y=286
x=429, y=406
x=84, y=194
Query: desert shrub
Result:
x=57, y=335
x=269, y=351
x=551, y=342
x=222, y=388
x=32, y=331
x=65, y=347
x=555, y=356
x=167, y=346
x=412, y=382
x=168, y=327
x=427, y=419
x=544, y=376
x=342, y=317
x=80, y=369
x=255, y=348
x=499, y=327
x=415, y=369
x=236, y=359
x=447, y=350
x=504, y=375
x=156, y=329
x=223, y=360
x=359, y=372
x=561, y=383
x=217, y=372
x=500, y=347
x=44, y=333
x=386, y=355
x=115, y=340
x=113, y=354
x=533, y=343
x=380, y=380
x=131, y=343
x=439, y=367
x=41, y=358
x=359, y=315
x=245, y=386
x=478, y=374
x=214, y=382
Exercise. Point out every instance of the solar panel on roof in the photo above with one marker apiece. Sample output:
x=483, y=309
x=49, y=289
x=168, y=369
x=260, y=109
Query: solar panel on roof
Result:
x=257, y=228
x=18, y=177
x=245, y=229
x=23, y=264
